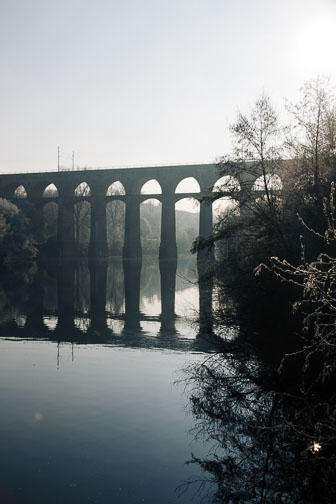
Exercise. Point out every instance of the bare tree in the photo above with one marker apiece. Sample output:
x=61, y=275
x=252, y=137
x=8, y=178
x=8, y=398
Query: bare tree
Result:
x=82, y=213
x=312, y=134
x=115, y=218
x=250, y=177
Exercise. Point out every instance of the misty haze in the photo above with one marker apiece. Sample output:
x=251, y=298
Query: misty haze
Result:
x=167, y=252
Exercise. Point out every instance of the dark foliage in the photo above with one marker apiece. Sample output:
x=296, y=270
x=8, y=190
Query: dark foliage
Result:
x=268, y=402
x=16, y=233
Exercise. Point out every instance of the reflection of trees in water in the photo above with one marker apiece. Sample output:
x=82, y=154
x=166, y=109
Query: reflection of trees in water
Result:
x=187, y=228
x=150, y=278
x=82, y=323
x=263, y=449
x=16, y=290
x=150, y=275
x=186, y=272
x=115, y=287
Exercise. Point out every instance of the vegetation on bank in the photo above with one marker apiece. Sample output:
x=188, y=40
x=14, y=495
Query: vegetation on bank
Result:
x=268, y=402
x=16, y=233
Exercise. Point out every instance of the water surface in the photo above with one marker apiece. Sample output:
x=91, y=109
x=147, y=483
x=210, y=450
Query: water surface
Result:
x=90, y=408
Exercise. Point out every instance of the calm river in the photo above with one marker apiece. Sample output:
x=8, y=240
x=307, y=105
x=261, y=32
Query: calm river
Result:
x=90, y=408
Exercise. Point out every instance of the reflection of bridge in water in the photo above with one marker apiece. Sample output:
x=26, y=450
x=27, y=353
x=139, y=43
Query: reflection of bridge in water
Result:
x=91, y=319
x=33, y=187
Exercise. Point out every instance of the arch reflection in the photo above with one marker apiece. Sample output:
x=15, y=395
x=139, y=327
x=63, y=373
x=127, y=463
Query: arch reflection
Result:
x=125, y=303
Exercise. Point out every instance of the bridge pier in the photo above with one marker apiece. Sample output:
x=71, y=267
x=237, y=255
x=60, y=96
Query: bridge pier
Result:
x=65, y=291
x=168, y=281
x=168, y=248
x=34, y=306
x=65, y=231
x=98, y=277
x=132, y=277
x=98, y=238
x=38, y=220
x=205, y=230
x=132, y=244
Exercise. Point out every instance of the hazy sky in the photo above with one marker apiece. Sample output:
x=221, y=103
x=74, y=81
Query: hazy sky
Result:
x=136, y=82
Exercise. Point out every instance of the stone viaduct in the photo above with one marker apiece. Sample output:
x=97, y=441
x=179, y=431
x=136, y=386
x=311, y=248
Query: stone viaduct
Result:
x=132, y=179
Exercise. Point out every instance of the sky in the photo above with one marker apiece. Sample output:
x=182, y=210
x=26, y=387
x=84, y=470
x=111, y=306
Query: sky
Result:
x=146, y=82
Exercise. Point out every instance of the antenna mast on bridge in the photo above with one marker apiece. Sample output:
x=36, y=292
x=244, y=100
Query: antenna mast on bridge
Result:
x=66, y=158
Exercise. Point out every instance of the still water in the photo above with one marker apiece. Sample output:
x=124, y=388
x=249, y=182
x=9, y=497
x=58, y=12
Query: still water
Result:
x=90, y=408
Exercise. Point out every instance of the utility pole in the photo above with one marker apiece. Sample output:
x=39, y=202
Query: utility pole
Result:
x=73, y=160
x=58, y=158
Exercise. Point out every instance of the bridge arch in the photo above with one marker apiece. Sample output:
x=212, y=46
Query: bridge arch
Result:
x=152, y=186
x=227, y=183
x=115, y=189
x=20, y=192
x=273, y=182
x=150, y=225
x=50, y=191
x=50, y=322
x=225, y=206
x=82, y=190
x=188, y=185
x=187, y=217
x=188, y=203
